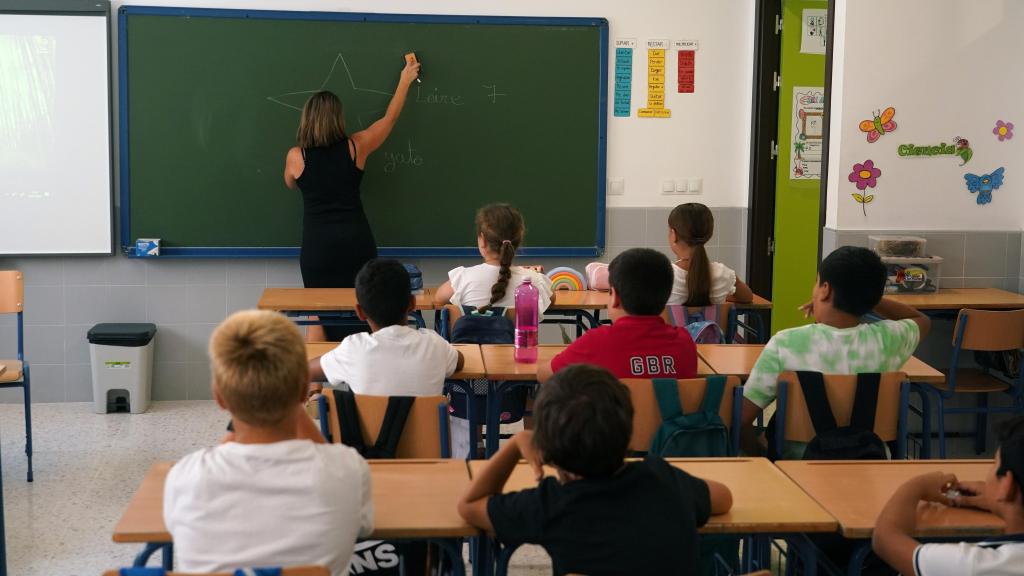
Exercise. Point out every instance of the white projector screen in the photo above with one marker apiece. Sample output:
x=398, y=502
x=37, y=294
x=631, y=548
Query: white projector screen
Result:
x=55, y=170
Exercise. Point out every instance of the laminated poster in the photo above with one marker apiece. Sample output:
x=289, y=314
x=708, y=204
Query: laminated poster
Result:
x=807, y=131
x=623, y=76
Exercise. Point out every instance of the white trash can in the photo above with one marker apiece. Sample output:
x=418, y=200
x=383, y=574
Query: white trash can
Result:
x=122, y=367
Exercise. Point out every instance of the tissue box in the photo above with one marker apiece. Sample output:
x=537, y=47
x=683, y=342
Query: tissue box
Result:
x=912, y=274
x=147, y=247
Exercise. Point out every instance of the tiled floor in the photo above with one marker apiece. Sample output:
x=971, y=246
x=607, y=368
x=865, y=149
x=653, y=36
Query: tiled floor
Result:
x=87, y=466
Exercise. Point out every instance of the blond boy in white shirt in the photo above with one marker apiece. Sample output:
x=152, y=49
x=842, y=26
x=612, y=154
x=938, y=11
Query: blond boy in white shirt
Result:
x=276, y=494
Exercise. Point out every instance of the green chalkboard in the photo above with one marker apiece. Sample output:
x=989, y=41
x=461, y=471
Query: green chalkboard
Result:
x=508, y=110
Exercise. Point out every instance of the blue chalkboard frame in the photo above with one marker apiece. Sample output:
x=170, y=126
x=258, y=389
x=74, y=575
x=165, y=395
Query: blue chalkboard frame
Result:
x=128, y=243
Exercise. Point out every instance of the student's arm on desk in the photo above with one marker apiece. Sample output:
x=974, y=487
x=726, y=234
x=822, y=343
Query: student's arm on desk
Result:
x=443, y=295
x=743, y=293
x=491, y=480
x=721, y=497
x=544, y=371
x=893, y=310
x=892, y=539
x=316, y=371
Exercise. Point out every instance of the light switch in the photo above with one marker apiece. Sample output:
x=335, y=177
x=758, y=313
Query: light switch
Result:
x=696, y=185
x=616, y=186
x=668, y=187
x=682, y=185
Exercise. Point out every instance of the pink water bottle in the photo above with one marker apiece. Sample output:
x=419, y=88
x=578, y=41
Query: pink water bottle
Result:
x=526, y=322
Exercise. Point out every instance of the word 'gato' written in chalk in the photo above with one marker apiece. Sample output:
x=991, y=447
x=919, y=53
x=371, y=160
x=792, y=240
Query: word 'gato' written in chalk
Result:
x=408, y=158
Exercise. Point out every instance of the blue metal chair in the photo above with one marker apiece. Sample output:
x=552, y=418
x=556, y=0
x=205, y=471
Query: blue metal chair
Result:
x=981, y=331
x=16, y=375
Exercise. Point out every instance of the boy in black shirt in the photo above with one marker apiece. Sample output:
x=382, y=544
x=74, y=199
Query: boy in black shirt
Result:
x=600, y=515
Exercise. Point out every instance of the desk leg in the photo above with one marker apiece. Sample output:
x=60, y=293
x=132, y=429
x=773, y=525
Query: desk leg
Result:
x=493, y=420
x=453, y=548
x=857, y=558
x=808, y=553
x=142, y=558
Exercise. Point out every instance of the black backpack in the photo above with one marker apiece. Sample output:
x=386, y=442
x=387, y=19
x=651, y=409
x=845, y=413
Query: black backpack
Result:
x=857, y=441
x=390, y=430
x=490, y=327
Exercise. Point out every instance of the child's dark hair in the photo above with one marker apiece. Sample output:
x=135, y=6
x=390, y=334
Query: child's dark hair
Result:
x=857, y=277
x=583, y=421
x=502, y=228
x=1011, y=450
x=643, y=280
x=694, y=225
x=382, y=290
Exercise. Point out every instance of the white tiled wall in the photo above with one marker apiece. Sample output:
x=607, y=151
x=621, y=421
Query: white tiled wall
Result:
x=186, y=299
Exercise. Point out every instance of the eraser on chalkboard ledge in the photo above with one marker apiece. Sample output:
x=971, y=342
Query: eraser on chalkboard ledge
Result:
x=147, y=247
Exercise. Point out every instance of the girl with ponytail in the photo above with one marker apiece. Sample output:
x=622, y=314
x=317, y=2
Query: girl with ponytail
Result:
x=499, y=234
x=698, y=280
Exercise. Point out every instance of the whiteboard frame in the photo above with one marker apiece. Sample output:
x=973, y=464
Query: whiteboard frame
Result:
x=77, y=8
x=128, y=243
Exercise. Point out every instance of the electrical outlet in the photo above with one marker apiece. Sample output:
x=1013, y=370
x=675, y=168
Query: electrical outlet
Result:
x=695, y=185
x=616, y=186
x=668, y=186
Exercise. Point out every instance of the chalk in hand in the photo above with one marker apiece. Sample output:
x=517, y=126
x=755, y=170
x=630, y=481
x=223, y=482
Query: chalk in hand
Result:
x=410, y=58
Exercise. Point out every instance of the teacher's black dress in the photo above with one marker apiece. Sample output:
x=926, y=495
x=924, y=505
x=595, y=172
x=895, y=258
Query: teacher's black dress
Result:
x=336, y=236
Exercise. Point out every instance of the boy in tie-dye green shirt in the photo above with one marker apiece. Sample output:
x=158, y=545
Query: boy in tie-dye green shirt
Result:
x=850, y=284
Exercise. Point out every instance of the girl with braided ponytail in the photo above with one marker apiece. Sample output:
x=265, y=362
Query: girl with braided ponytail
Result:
x=499, y=234
x=698, y=280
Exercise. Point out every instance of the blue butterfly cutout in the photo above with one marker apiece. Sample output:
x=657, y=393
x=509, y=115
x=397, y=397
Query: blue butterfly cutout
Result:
x=984, y=184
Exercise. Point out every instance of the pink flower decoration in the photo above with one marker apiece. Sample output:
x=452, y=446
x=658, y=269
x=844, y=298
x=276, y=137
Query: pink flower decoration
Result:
x=1003, y=130
x=865, y=175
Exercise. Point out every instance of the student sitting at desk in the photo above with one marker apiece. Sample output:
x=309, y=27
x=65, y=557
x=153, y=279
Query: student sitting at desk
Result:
x=850, y=284
x=1002, y=493
x=276, y=495
x=499, y=233
x=394, y=359
x=599, y=515
x=639, y=343
x=698, y=280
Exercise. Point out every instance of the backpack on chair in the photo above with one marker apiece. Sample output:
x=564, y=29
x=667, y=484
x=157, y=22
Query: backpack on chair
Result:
x=702, y=325
x=857, y=441
x=697, y=434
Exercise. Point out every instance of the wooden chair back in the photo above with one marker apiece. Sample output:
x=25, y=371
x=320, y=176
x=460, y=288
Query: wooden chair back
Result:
x=421, y=437
x=990, y=330
x=295, y=571
x=647, y=416
x=12, y=291
x=840, y=389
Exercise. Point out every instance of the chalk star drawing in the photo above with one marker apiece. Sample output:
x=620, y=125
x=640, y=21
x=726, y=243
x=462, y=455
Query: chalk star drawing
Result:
x=295, y=100
x=494, y=93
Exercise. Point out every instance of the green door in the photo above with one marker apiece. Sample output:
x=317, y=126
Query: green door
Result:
x=797, y=192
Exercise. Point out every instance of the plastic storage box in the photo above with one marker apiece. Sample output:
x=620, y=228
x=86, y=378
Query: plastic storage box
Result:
x=898, y=246
x=912, y=274
x=122, y=367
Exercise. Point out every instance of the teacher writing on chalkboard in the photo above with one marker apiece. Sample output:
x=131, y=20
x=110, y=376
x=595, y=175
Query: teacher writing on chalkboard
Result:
x=327, y=166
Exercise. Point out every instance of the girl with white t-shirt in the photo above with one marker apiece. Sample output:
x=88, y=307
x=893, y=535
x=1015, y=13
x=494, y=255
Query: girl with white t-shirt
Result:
x=698, y=280
x=499, y=233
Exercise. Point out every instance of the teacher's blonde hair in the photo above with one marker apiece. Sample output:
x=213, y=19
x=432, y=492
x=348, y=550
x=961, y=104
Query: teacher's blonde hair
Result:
x=322, y=123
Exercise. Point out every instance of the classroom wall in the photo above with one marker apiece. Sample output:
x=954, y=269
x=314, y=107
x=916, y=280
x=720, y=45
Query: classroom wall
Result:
x=943, y=65
x=707, y=137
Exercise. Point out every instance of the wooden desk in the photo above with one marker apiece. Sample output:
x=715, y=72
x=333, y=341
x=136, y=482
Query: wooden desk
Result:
x=758, y=303
x=3, y=368
x=739, y=360
x=579, y=300
x=500, y=363
x=855, y=493
x=323, y=300
x=472, y=364
x=765, y=501
x=411, y=499
x=957, y=298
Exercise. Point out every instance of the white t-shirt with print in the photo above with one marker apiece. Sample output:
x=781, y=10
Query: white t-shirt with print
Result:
x=1004, y=557
x=282, y=504
x=723, y=284
x=393, y=361
x=472, y=286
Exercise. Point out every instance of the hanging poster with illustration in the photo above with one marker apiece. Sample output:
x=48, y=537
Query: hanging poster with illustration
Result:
x=807, y=131
x=984, y=185
x=814, y=30
x=881, y=123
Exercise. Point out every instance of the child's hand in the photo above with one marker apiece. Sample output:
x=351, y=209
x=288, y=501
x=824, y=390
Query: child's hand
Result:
x=807, y=309
x=524, y=443
x=410, y=72
x=934, y=487
x=971, y=495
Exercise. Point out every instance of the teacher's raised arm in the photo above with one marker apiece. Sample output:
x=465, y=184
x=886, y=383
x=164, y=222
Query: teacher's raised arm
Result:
x=327, y=166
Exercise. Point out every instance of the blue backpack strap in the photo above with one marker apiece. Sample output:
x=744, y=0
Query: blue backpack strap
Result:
x=258, y=572
x=714, y=391
x=865, y=401
x=151, y=571
x=818, y=406
x=666, y=391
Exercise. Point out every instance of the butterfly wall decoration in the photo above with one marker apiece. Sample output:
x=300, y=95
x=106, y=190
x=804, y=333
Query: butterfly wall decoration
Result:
x=882, y=123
